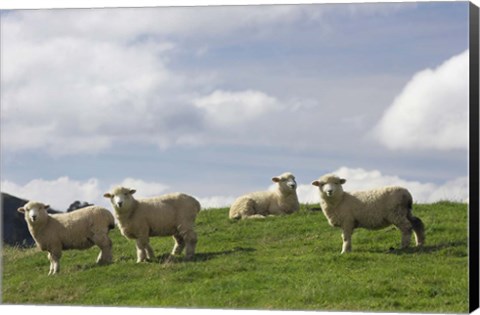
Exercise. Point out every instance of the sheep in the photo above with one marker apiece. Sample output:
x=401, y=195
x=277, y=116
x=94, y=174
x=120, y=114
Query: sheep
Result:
x=371, y=209
x=167, y=215
x=80, y=229
x=282, y=200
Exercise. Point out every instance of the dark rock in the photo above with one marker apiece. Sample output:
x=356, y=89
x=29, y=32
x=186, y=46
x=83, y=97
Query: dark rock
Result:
x=78, y=205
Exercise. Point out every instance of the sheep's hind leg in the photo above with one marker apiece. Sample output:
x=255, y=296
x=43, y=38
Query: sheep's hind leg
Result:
x=144, y=250
x=405, y=228
x=347, y=240
x=418, y=230
x=50, y=259
x=54, y=258
x=250, y=211
x=179, y=244
x=105, y=245
x=149, y=252
x=190, y=238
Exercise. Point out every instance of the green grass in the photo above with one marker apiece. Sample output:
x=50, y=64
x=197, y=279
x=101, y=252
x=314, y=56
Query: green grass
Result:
x=288, y=262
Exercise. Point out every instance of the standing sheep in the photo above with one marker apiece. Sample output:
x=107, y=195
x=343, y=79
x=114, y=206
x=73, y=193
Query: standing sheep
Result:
x=172, y=214
x=282, y=200
x=80, y=229
x=372, y=209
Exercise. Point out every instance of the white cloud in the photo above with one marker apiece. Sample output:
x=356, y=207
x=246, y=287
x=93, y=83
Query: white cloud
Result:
x=225, y=108
x=144, y=189
x=432, y=110
x=216, y=201
x=66, y=90
x=76, y=81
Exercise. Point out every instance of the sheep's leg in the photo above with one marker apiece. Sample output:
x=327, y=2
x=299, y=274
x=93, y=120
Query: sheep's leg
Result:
x=50, y=259
x=105, y=245
x=54, y=258
x=250, y=210
x=406, y=228
x=347, y=240
x=179, y=244
x=141, y=255
x=406, y=237
x=191, y=242
x=418, y=229
x=255, y=216
x=144, y=250
x=149, y=252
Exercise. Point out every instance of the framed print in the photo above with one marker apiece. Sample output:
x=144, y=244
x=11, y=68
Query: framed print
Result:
x=207, y=157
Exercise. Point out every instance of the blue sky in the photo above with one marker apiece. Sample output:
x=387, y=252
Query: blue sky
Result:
x=214, y=101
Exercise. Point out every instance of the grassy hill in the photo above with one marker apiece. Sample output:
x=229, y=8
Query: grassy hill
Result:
x=289, y=262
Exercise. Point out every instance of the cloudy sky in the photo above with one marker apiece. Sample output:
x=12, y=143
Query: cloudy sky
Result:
x=215, y=101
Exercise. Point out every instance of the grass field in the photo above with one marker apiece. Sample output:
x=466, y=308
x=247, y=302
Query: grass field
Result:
x=288, y=262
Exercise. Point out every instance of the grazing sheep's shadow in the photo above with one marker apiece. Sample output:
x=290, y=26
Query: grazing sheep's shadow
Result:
x=427, y=249
x=89, y=266
x=168, y=258
x=211, y=255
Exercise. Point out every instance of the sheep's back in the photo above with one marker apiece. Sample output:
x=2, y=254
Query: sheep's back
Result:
x=165, y=213
x=374, y=208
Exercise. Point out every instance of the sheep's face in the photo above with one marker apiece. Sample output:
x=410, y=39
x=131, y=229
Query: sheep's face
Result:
x=330, y=185
x=286, y=182
x=121, y=198
x=35, y=212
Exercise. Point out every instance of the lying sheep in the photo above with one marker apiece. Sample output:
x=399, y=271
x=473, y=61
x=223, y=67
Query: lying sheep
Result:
x=283, y=200
x=372, y=209
x=172, y=214
x=80, y=229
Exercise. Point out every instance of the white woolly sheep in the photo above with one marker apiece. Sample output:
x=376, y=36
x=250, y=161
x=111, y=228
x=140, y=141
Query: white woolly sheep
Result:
x=80, y=229
x=371, y=209
x=167, y=215
x=282, y=200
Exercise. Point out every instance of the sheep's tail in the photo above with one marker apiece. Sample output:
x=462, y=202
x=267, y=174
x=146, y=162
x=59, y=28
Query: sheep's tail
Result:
x=111, y=221
x=417, y=225
x=198, y=205
x=236, y=216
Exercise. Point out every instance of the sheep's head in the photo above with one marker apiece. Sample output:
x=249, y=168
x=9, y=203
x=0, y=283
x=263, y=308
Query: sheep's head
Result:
x=330, y=185
x=286, y=182
x=35, y=212
x=121, y=198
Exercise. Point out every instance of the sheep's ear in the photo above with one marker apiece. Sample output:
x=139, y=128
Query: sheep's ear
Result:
x=132, y=191
x=316, y=183
x=343, y=181
x=21, y=210
x=275, y=179
x=46, y=207
x=107, y=195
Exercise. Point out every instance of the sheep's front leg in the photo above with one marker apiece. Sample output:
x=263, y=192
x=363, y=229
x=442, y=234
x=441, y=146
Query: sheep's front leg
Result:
x=54, y=258
x=256, y=216
x=347, y=239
